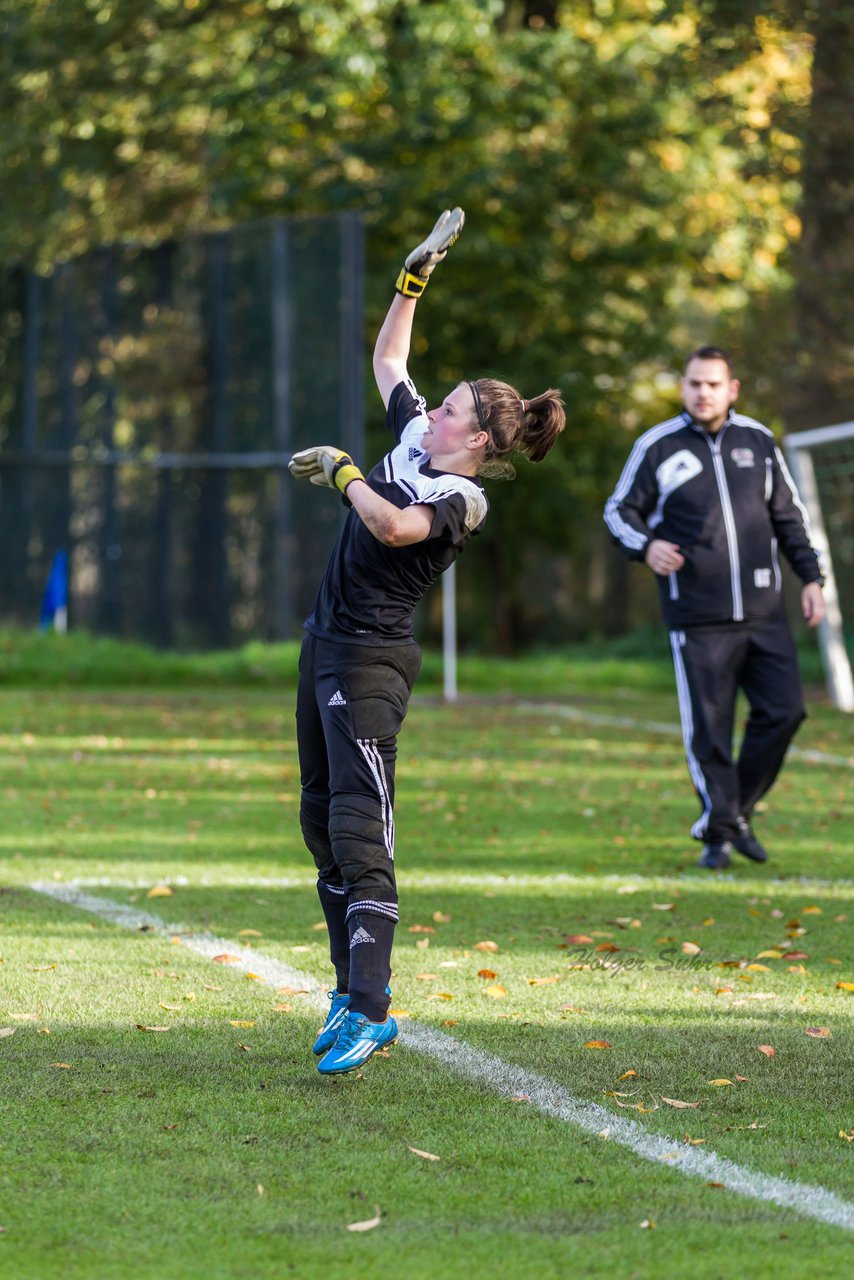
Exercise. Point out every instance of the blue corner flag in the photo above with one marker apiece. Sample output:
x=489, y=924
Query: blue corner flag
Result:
x=54, y=610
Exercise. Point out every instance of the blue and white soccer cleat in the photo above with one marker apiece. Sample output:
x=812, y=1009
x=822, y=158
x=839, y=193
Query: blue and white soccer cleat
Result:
x=357, y=1040
x=337, y=1013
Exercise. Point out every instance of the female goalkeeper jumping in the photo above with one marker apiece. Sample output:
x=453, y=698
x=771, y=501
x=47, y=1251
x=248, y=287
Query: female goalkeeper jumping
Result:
x=409, y=519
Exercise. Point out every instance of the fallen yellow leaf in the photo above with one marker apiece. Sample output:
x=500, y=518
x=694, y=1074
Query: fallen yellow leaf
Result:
x=425, y=1155
x=675, y=1102
x=771, y=954
x=66, y=1066
x=439, y=917
x=626, y=1075
x=238, y=1023
x=368, y=1224
x=160, y=891
x=849, y=1136
x=487, y=974
x=6, y=1031
x=767, y=1049
x=543, y=982
x=579, y=939
x=141, y=1027
x=759, y=968
x=496, y=991
x=284, y=1007
x=226, y=958
x=811, y=911
x=253, y=933
x=402, y=1013
x=431, y=977
x=691, y=948
x=819, y=1033
x=718, y=1082
x=598, y=1044
x=845, y=986
x=486, y=946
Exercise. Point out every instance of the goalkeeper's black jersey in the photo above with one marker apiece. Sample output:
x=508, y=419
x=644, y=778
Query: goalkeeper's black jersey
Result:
x=369, y=590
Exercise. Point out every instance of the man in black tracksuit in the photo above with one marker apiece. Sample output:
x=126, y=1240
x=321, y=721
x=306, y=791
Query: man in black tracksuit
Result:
x=706, y=500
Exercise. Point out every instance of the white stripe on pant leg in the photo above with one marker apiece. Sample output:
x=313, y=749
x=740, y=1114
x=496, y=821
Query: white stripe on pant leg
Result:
x=686, y=715
x=504, y=1078
x=368, y=748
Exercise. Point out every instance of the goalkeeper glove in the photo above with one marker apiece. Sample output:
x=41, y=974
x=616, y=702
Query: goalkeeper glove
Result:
x=325, y=465
x=415, y=272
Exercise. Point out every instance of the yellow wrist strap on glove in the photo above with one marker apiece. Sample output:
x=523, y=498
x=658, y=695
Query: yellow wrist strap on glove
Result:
x=344, y=472
x=409, y=285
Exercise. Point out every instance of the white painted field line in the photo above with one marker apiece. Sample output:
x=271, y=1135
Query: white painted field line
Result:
x=578, y=714
x=502, y=1077
x=631, y=882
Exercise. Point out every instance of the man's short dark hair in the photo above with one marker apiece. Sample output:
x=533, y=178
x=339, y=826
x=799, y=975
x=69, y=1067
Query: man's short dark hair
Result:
x=712, y=353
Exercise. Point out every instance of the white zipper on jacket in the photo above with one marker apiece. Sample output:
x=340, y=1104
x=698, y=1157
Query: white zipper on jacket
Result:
x=729, y=524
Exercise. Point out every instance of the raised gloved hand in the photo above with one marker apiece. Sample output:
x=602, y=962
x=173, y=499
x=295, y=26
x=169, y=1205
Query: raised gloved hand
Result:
x=325, y=465
x=415, y=273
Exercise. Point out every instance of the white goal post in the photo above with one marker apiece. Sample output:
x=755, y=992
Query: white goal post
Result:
x=804, y=449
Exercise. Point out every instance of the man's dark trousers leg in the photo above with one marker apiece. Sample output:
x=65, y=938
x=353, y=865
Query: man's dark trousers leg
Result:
x=711, y=663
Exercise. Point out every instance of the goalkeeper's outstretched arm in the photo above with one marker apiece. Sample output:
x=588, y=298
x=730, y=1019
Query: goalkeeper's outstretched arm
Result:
x=391, y=350
x=332, y=468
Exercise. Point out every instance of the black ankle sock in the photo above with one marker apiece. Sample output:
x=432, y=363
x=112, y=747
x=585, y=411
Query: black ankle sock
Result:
x=333, y=900
x=371, y=920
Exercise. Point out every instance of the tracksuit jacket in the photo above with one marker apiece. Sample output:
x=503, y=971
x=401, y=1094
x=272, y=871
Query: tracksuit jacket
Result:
x=730, y=505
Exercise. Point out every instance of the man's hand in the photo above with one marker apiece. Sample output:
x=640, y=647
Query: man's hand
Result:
x=326, y=466
x=812, y=603
x=663, y=557
x=413, y=278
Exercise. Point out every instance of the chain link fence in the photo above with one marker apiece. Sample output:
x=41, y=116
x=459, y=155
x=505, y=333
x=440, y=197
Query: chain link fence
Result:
x=149, y=401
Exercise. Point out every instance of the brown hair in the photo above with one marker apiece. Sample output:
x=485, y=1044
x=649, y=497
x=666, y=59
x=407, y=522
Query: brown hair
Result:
x=712, y=353
x=514, y=425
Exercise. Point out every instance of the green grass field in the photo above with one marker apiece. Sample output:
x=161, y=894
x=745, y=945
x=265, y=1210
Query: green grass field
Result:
x=537, y=812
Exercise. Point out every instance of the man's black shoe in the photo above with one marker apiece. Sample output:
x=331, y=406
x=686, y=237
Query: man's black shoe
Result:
x=745, y=842
x=715, y=857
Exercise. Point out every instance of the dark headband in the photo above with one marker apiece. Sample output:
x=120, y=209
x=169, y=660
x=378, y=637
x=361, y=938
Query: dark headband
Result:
x=478, y=404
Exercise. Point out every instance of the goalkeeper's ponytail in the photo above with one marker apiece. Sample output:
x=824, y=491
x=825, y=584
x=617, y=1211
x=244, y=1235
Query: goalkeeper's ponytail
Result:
x=515, y=425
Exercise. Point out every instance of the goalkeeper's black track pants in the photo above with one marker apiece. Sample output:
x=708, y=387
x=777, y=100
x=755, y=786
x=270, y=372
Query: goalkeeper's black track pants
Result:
x=711, y=664
x=351, y=703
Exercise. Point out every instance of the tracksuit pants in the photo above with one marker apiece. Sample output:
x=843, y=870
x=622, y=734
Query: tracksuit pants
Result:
x=351, y=703
x=712, y=663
